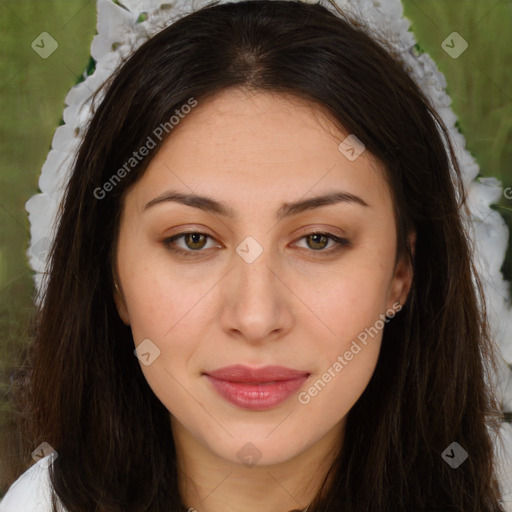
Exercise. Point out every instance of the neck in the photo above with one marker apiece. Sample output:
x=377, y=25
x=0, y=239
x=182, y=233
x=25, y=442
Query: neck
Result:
x=209, y=483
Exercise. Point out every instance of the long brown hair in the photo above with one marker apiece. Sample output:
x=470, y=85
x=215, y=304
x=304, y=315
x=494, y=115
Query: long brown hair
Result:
x=86, y=394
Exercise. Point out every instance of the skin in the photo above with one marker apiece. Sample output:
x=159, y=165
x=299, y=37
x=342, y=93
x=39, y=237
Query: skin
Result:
x=295, y=305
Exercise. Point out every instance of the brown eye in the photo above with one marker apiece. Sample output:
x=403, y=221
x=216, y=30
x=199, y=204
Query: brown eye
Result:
x=193, y=242
x=319, y=241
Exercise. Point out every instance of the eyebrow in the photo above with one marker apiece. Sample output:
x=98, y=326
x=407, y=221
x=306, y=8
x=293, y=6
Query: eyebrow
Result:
x=210, y=205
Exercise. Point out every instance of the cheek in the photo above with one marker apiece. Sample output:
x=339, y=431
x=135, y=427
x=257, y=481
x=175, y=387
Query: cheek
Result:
x=349, y=301
x=347, y=354
x=172, y=309
x=353, y=308
x=331, y=395
x=160, y=296
x=169, y=314
x=351, y=349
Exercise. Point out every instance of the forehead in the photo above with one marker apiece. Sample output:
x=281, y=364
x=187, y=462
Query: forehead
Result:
x=259, y=144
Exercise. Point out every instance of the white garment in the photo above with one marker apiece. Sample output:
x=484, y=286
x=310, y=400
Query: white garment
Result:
x=31, y=492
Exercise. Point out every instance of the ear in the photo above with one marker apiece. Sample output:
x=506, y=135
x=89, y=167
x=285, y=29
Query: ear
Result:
x=402, y=280
x=121, y=304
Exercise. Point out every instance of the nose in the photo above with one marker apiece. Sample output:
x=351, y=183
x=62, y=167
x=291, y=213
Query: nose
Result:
x=256, y=303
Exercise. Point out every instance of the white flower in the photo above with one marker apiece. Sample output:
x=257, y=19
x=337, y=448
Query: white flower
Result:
x=140, y=6
x=113, y=24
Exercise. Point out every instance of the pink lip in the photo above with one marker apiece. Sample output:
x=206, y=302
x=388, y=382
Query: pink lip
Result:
x=256, y=388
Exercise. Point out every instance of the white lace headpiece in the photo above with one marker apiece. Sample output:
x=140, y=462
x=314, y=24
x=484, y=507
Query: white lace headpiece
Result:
x=123, y=28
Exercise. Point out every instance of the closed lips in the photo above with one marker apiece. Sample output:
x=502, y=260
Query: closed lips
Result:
x=256, y=389
x=266, y=374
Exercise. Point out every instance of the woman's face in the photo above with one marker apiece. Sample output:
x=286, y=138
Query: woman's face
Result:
x=255, y=286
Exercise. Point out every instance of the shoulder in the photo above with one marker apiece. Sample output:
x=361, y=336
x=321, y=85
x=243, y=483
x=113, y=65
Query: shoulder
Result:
x=31, y=492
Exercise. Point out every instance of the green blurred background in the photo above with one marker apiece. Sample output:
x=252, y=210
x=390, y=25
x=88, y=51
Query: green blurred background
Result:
x=32, y=92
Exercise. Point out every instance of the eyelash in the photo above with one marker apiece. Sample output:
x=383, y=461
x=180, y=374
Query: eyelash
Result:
x=168, y=243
